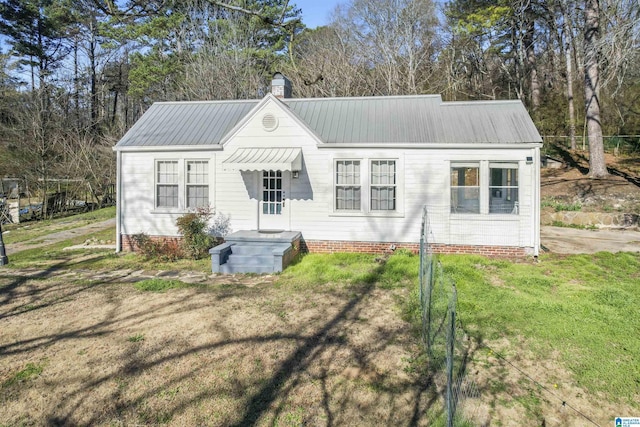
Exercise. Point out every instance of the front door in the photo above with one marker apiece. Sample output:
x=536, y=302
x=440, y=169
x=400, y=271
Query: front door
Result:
x=274, y=205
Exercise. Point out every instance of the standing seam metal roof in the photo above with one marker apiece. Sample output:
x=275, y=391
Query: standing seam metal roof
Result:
x=391, y=119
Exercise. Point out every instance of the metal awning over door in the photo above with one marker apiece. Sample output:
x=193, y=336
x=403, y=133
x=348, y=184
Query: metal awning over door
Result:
x=256, y=159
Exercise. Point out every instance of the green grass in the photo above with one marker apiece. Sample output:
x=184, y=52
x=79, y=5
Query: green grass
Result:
x=34, y=229
x=160, y=285
x=580, y=310
x=330, y=270
x=344, y=270
x=136, y=338
x=100, y=259
x=560, y=206
x=31, y=371
x=576, y=226
x=583, y=306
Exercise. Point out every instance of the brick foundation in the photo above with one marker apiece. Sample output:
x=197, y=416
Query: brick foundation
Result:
x=331, y=246
x=128, y=245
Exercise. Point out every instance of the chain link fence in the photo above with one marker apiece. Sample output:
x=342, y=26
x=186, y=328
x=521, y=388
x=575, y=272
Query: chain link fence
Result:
x=450, y=352
x=618, y=145
x=447, y=346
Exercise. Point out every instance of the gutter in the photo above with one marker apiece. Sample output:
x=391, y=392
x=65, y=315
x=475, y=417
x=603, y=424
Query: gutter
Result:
x=536, y=203
x=422, y=145
x=174, y=148
x=118, y=201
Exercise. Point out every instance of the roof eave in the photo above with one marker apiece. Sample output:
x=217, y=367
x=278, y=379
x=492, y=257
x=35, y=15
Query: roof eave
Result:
x=474, y=145
x=165, y=148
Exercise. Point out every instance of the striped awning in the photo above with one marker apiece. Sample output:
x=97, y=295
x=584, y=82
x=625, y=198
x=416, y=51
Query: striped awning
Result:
x=251, y=159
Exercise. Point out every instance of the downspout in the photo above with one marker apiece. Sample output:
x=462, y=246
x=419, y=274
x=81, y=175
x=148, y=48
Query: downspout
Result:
x=118, y=201
x=536, y=202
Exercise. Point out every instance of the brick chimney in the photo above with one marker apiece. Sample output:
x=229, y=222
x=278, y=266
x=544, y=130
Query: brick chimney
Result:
x=280, y=86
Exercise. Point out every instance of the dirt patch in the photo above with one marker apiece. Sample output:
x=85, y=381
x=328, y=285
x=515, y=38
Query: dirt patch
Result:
x=569, y=185
x=526, y=389
x=562, y=240
x=215, y=355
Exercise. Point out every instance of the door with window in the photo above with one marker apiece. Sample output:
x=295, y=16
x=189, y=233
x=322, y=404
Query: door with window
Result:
x=274, y=203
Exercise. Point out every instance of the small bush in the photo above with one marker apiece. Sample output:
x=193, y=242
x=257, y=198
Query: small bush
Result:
x=201, y=230
x=162, y=249
x=196, y=242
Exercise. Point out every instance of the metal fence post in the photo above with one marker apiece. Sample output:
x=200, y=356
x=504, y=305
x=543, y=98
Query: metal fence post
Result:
x=451, y=410
x=4, y=260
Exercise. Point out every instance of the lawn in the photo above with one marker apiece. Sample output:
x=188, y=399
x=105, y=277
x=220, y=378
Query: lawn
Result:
x=14, y=233
x=103, y=349
x=330, y=341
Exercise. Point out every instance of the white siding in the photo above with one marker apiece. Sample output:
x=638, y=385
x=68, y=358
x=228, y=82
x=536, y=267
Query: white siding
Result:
x=423, y=178
x=139, y=214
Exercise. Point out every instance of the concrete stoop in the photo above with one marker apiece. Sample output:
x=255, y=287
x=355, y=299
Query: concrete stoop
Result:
x=250, y=251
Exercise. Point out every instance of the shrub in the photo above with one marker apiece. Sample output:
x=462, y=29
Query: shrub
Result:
x=162, y=249
x=193, y=226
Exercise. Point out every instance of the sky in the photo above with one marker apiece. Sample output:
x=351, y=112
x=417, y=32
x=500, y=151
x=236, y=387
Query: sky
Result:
x=316, y=13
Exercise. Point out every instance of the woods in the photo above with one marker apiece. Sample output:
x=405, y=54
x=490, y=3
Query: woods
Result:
x=76, y=74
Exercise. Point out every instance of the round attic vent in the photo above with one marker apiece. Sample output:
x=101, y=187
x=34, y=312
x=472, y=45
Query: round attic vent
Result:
x=269, y=122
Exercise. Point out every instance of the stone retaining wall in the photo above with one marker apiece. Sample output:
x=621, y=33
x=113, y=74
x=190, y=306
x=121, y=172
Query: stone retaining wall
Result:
x=597, y=219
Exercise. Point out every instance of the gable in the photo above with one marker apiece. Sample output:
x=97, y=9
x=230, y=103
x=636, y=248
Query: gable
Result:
x=271, y=123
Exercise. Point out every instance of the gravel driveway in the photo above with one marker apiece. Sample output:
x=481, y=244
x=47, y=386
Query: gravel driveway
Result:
x=563, y=240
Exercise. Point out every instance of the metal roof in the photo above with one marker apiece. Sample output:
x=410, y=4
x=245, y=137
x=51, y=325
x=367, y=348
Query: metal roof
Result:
x=385, y=120
x=186, y=123
x=249, y=159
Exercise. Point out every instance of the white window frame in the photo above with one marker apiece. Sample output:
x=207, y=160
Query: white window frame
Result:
x=484, y=186
x=452, y=188
x=158, y=183
x=187, y=164
x=515, y=209
x=182, y=184
x=393, y=185
x=365, y=185
x=358, y=184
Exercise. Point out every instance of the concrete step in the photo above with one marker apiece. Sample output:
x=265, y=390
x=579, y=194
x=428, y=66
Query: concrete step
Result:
x=252, y=249
x=250, y=260
x=232, y=269
x=252, y=255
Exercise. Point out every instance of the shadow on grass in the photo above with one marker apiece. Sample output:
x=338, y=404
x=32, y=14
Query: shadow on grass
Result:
x=581, y=162
x=37, y=295
x=269, y=396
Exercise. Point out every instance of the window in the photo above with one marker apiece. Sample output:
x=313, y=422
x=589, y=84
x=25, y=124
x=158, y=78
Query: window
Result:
x=272, y=193
x=383, y=185
x=197, y=183
x=181, y=184
x=465, y=189
x=485, y=187
x=167, y=184
x=503, y=188
x=348, y=187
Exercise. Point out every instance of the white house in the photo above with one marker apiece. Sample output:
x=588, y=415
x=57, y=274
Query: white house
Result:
x=348, y=174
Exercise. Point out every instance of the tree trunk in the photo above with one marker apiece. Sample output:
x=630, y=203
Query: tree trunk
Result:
x=93, y=77
x=597, y=166
x=568, y=37
x=530, y=55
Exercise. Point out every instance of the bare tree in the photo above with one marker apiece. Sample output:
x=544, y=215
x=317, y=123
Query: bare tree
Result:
x=397, y=38
x=567, y=40
x=597, y=166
